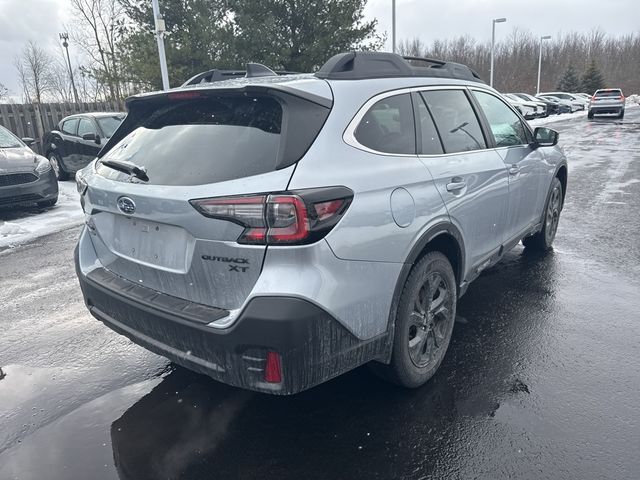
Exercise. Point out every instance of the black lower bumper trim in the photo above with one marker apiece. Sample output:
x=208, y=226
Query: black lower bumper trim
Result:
x=313, y=346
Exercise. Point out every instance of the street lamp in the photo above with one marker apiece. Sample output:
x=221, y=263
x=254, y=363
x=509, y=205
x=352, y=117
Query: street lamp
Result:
x=65, y=43
x=493, y=44
x=546, y=37
x=393, y=26
x=160, y=30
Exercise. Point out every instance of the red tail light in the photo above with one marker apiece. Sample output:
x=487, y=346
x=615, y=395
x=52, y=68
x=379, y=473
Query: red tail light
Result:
x=288, y=218
x=273, y=368
x=188, y=95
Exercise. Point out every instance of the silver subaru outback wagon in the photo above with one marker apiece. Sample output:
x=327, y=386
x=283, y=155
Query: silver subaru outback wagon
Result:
x=275, y=231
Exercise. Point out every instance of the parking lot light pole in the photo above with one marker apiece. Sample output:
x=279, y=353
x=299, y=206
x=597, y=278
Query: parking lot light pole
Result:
x=160, y=30
x=393, y=26
x=493, y=45
x=546, y=37
x=65, y=43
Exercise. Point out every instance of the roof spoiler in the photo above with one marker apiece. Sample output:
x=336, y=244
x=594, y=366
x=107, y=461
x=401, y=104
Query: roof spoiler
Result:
x=364, y=65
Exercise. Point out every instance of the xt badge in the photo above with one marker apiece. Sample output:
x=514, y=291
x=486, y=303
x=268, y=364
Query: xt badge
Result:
x=235, y=264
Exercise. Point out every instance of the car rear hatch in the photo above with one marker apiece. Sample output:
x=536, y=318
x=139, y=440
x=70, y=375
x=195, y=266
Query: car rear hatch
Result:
x=173, y=148
x=608, y=98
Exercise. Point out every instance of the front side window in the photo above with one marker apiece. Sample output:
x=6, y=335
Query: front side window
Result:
x=389, y=126
x=85, y=127
x=456, y=121
x=506, y=127
x=109, y=124
x=70, y=126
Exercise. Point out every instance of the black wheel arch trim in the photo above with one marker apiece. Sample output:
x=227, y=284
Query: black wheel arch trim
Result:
x=416, y=252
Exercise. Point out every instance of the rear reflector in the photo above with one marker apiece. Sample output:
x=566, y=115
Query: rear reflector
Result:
x=273, y=368
x=289, y=218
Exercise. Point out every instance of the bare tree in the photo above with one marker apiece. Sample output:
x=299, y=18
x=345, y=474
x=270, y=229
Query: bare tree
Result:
x=99, y=24
x=4, y=92
x=516, y=58
x=34, y=70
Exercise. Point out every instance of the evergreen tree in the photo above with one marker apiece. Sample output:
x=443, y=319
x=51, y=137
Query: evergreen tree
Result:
x=570, y=82
x=592, y=79
x=298, y=35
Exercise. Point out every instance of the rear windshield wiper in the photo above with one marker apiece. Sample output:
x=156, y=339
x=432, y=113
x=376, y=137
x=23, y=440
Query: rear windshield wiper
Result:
x=127, y=167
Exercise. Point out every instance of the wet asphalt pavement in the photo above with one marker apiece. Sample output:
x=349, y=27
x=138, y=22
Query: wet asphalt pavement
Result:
x=541, y=381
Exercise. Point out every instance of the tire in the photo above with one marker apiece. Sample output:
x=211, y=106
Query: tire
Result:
x=590, y=115
x=424, y=323
x=543, y=240
x=621, y=116
x=48, y=203
x=56, y=165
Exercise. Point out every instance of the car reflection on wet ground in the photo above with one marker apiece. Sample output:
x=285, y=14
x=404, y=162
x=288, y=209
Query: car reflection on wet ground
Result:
x=541, y=379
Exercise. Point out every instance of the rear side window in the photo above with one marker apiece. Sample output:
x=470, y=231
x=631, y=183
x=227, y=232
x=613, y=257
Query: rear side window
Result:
x=506, y=127
x=456, y=121
x=206, y=140
x=389, y=126
x=70, y=126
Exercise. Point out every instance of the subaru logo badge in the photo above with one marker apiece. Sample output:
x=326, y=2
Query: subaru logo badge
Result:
x=126, y=205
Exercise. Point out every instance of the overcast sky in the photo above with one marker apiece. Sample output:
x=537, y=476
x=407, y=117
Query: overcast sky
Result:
x=42, y=20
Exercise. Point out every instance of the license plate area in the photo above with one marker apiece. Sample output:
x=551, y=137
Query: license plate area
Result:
x=162, y=246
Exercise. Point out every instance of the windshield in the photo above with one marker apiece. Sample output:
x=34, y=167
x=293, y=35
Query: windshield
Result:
x=108, y=125
x=8, y=139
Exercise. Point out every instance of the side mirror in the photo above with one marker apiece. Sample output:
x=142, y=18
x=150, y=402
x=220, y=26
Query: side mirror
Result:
x=28, y=141
x=545, y=137
x=91, y=137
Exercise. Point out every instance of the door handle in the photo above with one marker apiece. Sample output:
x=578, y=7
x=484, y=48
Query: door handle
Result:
x=456, y=184
x=514, y=169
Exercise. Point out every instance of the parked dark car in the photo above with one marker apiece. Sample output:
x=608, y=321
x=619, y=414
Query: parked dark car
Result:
x=563, y=105
x=25, y=177
x=78, y=139
x=551, y=107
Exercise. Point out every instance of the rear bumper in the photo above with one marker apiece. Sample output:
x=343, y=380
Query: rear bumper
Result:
x=312, y=345
x=606, y=109
x=43, y=189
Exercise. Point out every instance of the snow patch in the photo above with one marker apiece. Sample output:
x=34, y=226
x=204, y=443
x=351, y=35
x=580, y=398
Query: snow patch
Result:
x=24, y=224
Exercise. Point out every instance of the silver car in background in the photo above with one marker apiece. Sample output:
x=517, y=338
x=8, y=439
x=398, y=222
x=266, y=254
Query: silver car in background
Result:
x=607, y=100
x=274, y=231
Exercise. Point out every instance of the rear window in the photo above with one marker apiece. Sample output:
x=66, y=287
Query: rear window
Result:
x=205, y=140
x=609, y=93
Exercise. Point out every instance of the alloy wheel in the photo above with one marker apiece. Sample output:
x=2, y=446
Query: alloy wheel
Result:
x=429, y=320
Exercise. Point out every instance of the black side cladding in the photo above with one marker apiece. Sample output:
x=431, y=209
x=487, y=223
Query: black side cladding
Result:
x=313, y=346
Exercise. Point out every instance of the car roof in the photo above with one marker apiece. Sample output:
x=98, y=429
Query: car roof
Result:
x=95, y=115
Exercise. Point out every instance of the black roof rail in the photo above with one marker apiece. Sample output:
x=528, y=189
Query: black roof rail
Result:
x=253, y=70
x=364, y=65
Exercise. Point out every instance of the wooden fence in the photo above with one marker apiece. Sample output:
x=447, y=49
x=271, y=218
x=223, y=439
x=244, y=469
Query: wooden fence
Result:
x=35, y=119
